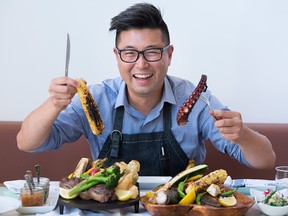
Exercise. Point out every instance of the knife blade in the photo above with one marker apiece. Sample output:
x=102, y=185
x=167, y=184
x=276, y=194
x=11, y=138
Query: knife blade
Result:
x=67, y=55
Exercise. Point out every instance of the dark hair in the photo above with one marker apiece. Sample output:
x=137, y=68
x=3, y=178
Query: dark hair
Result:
x=141, y=15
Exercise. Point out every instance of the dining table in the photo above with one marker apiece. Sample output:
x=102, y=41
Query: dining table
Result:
x=129, y=211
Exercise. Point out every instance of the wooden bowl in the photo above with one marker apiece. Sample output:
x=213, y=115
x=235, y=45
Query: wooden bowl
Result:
x=244, y=203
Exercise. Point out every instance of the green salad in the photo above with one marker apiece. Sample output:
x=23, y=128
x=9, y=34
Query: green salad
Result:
x=275, y=198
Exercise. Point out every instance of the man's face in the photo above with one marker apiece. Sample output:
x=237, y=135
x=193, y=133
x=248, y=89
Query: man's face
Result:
x=143, y=78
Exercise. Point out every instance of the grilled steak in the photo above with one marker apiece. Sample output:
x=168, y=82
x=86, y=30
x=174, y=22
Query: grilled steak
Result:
x=99, y=193
x=69, y=183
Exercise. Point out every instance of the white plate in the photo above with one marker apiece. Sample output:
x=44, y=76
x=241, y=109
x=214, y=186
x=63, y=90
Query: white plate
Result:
x=8, y=204
x=150, y=182
x=50, y=204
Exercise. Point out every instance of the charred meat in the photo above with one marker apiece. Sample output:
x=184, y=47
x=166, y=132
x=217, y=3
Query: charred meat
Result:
x=69, y=183
x=99, y=193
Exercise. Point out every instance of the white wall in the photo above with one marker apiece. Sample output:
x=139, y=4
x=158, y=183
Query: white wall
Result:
x=242, y=46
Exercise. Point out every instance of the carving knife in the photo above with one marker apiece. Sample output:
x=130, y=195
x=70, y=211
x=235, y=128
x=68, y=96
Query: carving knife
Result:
x=67, y=55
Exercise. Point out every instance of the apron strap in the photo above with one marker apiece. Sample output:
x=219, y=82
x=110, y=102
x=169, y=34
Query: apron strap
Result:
x=116, y=134
x=167, y=117
x=119, y=118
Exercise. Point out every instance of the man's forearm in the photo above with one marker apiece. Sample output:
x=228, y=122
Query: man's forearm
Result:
x=257, y=150
x=36, y=127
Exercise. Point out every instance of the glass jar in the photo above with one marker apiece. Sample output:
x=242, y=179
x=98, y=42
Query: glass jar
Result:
x=32, y=198
x=45, y=183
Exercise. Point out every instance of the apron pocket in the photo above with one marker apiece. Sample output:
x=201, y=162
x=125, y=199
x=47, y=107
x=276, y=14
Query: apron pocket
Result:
x=165, y=165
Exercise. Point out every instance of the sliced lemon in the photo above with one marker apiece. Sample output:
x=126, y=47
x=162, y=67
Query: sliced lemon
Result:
x=65, y=193
x=123, y=195
x=228, y=201
x=189, y=198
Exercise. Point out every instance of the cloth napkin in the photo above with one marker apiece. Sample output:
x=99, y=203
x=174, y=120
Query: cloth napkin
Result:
x=249, y=182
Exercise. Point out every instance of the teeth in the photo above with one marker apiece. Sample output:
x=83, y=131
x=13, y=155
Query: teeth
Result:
x=142, y=76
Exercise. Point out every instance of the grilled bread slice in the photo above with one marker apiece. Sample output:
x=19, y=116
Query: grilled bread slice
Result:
x=81, y=167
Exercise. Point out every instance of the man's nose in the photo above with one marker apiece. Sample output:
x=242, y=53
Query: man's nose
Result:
x=141, y=60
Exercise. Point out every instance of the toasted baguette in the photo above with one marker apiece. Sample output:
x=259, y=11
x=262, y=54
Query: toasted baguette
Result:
x=81, y=167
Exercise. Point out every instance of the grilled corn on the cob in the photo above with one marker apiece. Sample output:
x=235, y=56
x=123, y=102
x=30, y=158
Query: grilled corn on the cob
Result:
x=90, y=108
x=216, y=177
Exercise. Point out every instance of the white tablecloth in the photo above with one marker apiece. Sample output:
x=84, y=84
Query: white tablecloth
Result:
x=128, y=211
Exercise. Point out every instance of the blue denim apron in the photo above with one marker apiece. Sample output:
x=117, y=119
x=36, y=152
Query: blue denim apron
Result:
x=159, y=153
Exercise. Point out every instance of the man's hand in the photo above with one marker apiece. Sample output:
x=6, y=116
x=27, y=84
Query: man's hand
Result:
x=62, y=90
x=229, y=124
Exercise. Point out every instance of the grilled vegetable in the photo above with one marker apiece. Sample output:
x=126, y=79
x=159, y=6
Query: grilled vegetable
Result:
x=200, y=169
x=199, y=197
x=180, y=189
x=185, y=174
x=109, y=176
x=213, y=190
x=99, y=163
x=90, y=108
x=228, y=193
x=201, y=185
x=167, y=197
x=189, y=198
x=194, y=178
x=191, y=164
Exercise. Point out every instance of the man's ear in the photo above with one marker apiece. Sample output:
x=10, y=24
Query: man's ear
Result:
x=115, y=51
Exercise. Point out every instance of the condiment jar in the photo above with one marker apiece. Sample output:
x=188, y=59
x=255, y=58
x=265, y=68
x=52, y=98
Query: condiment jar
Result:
x=43, y=182
x=34, y=197
x=42, y=185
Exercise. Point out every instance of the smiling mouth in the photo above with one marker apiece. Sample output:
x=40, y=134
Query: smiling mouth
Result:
x=142, y=76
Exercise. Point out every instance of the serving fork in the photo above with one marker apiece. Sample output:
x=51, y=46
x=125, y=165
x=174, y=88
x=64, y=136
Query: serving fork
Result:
x=205, y=99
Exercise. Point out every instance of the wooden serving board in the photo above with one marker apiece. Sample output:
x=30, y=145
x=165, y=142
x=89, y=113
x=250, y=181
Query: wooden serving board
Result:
x=244, y=203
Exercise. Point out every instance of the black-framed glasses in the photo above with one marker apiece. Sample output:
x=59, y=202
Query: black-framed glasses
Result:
x=150, y=54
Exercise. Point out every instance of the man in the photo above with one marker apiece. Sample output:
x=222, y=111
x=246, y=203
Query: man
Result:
x=140, y=108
